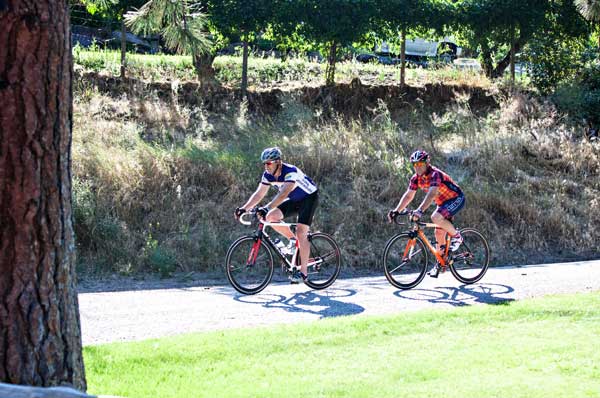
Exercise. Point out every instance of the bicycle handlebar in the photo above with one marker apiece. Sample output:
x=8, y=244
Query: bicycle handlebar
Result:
x=251, y=213
x=408, y=213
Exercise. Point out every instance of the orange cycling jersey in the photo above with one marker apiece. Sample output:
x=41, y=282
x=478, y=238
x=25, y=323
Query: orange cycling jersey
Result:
x=434, y=177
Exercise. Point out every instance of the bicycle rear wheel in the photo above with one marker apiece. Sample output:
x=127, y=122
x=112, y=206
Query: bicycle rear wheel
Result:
x=249, y=265
x=405, y=261
x=325, y=261
x=472, y=259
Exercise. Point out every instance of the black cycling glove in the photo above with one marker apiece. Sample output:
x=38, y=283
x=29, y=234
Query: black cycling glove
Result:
x=239, y=211
x=262, y=211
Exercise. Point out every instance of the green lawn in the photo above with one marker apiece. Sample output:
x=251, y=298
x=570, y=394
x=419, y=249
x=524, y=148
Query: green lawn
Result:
x=546, y=347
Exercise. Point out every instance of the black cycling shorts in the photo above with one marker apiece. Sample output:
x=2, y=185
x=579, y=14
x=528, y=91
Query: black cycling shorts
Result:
x=305, y=208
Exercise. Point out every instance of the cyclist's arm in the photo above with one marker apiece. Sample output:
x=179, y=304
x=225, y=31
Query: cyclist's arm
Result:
x=282, y=195
x=257, y=196
x=428, y=199
x=408, y=196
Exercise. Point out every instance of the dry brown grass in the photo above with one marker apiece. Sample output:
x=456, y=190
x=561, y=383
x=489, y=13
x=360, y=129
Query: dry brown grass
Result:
x=156, y=184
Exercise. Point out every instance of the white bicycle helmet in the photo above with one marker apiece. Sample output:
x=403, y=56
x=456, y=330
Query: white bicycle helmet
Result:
x=268, y=154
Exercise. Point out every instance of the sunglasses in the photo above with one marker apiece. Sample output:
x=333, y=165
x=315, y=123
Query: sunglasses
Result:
x=417, y=164
x=268, y=163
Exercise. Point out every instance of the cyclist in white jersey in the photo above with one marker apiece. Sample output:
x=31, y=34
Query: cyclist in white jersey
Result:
x=298, y=194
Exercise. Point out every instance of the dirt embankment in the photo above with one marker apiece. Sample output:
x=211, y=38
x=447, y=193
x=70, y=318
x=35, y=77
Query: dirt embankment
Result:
x=353, y=99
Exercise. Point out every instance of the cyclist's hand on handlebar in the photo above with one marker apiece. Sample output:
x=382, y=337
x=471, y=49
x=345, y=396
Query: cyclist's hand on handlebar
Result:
x=392, y=214
x=416, y=215
x=261, y=212
x=238, y=212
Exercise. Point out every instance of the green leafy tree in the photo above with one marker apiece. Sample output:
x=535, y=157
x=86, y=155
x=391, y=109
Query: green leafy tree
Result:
x=409, y=18
x=180, y=23
x=114, y=10
x=590, y=9
x=498, y=29
x=334, y=23
x=244, y=19
x=555, y=53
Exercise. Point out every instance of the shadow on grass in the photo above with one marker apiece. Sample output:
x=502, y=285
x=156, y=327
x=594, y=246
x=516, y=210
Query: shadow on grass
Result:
x=323, y=304
x=487, y=293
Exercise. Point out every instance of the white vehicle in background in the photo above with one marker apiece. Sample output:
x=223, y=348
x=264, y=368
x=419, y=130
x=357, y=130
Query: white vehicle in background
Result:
x=425, y=48
x=467, y=64
x=445, y=49
x=419, y=52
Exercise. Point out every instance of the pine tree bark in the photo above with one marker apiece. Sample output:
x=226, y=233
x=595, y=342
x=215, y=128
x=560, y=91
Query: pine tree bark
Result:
x=40, y=338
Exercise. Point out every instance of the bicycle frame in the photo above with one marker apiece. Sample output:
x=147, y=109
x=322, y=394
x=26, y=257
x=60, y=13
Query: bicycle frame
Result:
x=441, y=257
x=261, y=234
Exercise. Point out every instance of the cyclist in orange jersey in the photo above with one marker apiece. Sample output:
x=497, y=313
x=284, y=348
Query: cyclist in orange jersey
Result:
x=442, y=190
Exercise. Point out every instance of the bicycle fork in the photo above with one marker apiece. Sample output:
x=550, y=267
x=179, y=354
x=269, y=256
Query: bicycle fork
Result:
x=253, y=253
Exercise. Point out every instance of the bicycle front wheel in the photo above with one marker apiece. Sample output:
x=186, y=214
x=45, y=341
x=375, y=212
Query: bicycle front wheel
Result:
x=405, y=261
x=325, y=261
x=472, y=259
x=249, y=265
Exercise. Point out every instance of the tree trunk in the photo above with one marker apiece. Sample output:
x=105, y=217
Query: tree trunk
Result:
x=330, y=70
x=40, y=338
x=498, y=71
x=245, y=69
x=123, y=47
x=403, y=58
x=204, y=69
x=512, y=56
x=486, y=61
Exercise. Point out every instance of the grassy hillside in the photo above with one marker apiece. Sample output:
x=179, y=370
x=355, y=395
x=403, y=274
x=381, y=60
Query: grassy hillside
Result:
x=159, y=168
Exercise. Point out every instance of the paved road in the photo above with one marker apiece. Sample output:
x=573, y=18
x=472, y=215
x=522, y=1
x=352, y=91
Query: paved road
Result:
x=142, y=314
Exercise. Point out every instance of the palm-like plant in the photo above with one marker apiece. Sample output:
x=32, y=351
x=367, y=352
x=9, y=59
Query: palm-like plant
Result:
x=179, y=22
x=590, y=9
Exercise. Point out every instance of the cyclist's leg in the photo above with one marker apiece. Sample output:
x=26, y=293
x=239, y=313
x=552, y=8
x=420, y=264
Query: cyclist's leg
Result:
x=305, y=217
x=277, y=215
x=440, y=236
x=444, y=213
x=444, y=225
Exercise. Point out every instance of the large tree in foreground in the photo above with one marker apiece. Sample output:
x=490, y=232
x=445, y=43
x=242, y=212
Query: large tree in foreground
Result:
x=40, y=339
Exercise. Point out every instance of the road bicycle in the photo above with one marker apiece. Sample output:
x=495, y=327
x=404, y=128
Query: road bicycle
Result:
x=249, y=262
x=406, y=260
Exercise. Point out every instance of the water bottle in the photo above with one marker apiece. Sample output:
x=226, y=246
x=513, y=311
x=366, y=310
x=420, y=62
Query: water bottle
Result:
x=291, y=248
x=279, y=244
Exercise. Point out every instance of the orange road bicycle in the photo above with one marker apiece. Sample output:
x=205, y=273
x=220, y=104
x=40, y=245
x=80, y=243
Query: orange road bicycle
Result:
x=406, y=260
x=249, y=262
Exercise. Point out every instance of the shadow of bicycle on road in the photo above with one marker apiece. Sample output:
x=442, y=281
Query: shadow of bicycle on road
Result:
x=464, y=295
x=323, y=304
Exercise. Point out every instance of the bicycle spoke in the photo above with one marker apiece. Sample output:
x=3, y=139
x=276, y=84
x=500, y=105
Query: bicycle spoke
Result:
x=249, y=265
x=324, y=262
x=398, y=267
x=472, y=260
x=404, y=261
